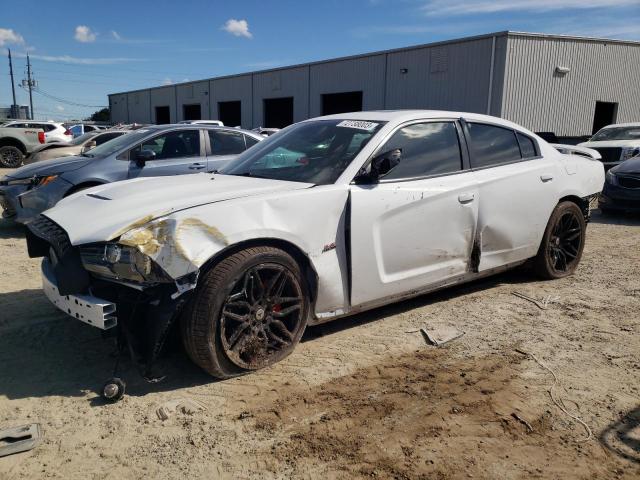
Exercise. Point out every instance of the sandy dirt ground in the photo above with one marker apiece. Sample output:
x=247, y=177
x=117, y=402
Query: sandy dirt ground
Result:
x=364, y=397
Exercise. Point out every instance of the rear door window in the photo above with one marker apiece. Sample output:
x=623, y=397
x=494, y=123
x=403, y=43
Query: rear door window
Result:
x=492, y=145
x=250, y=141
x=527, y=146
x=100, y=139
x=430, y=148
x=226, y=142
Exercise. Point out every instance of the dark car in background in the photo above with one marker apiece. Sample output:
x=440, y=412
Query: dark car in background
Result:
x=145, y=152
x=622, y=188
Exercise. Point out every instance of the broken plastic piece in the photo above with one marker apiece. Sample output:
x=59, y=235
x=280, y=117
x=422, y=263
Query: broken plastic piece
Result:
x=20, y=439
x=440, y=335
x=184, y=405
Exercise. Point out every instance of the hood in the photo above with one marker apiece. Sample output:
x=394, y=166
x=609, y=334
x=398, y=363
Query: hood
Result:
x=107, y=211
x=51, y=167
x=629, y=166
x=49, y=146
x=611, y=144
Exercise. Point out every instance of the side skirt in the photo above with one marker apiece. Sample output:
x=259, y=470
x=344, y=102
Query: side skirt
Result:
x=325, y=317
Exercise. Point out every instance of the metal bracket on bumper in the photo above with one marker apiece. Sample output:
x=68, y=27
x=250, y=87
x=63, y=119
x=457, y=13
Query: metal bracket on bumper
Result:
x=86, y=308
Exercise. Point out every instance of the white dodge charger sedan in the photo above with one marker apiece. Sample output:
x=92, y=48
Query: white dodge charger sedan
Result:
x=332, y=216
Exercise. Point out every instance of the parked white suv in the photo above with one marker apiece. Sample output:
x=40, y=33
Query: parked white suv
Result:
x=616, y=143
x=53, y=131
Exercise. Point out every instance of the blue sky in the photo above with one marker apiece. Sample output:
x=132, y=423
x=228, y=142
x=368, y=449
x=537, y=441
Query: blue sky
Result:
x=81, y=51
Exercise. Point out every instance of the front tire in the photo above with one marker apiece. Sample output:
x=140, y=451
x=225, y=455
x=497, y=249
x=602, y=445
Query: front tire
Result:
x=562, y=244
x=10, y=156
x=249, y=312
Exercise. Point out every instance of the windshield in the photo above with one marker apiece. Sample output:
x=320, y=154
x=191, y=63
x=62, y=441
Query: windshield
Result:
x=310, y=152
x=82, y=138
x=617, y=133
x=117, y=144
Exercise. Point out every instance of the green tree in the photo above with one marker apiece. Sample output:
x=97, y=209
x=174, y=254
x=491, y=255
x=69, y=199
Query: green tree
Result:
x=103, y=115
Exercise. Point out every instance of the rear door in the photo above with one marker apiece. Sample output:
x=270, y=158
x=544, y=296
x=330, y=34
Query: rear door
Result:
x=177, y=152
x=415, y=227
x=224, y=145
x=518, y=191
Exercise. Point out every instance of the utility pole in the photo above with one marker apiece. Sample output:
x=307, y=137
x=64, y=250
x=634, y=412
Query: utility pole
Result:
x=30, y=86
x=13, y=88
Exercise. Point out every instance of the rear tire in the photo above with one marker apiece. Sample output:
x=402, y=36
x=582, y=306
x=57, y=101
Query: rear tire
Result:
x=11, y=157
x=562, y=243
x=249, y=312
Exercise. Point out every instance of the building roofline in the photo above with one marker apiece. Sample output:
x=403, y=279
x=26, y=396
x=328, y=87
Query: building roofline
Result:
x=504, y=33
x=572, y=37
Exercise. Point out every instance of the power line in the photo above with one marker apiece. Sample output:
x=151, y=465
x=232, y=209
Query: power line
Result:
x=62, y=100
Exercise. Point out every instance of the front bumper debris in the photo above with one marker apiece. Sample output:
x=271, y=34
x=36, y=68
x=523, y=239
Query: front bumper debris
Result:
x=91, y=310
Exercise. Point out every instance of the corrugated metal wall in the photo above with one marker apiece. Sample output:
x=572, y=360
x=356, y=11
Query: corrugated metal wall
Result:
x=164, y=97
x=231, y=89
x=119, y=108
x=139, y=107
x=366, y=74
x=442, y=77
x=290, y=82
x=193, y=94
x=541, y=100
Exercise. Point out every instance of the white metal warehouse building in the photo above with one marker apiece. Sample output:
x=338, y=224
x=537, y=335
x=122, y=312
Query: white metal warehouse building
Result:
x=567, y=85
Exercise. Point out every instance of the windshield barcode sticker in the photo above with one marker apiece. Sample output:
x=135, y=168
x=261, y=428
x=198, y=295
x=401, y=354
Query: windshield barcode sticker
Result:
x=359, y=124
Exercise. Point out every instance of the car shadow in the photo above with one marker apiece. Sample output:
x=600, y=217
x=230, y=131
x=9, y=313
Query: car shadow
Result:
x=44, y=352
x=623, y=436
x=11, y=229
x=615, y=218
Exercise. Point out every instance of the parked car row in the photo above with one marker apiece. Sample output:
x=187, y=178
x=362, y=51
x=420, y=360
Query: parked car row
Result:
x=329, y=217
x=125, y=154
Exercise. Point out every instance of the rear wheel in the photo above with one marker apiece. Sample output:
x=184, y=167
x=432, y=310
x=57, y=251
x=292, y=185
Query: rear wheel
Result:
x=563, y=242
x=249, y=312
x=10, y=156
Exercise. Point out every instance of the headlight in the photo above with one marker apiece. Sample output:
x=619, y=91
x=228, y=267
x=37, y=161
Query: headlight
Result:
x=611, y=178
x=629, y=152
x=36, y=181
x=120, y=262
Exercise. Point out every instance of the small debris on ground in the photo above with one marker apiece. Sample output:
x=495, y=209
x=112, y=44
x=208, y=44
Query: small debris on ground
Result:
x=20, y=439
x=523, y=421
x=183, y=405
x=440, y=335
x=542, y=305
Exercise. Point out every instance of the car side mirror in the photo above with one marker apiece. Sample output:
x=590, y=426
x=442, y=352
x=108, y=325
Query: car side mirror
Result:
x=143, y=156
x=88, y=146
x=379, y=166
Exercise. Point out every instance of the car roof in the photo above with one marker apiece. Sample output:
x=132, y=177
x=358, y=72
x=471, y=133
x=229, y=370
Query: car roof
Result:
x=189, y=126
x=399, y=116
x=617, y=125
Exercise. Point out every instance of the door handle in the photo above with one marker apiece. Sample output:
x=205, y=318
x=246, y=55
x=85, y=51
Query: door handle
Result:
x=466, y=198
x=196, y=166
x=546, y=178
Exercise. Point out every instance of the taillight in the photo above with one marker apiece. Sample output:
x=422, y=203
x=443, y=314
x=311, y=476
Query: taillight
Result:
x=41, y=137
x=68, y=132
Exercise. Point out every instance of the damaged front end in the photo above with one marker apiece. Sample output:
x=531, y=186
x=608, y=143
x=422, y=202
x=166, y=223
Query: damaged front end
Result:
x=111, y=286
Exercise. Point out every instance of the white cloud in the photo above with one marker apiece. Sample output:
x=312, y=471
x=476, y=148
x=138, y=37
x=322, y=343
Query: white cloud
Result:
x=84, y=34
x=8, y=36
x=116, y=35
x=167, y=81
x=60, y=108
x=239, y=28
x=79, y=60
x=465, y=7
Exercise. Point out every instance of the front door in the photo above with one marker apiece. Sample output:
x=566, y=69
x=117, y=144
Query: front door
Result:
x=177, y=152
x=415, y=227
